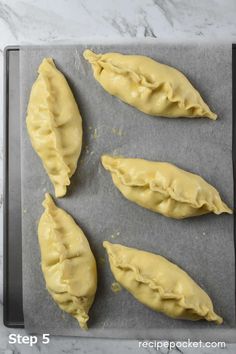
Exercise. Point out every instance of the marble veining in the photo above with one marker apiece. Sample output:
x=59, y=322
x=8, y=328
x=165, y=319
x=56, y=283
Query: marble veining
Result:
x=45, y=21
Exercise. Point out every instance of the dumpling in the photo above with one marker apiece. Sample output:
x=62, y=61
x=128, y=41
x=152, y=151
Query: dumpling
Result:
x=160, y=284
x=67, y=262
x=164, y=188
x=151, y=87
x=54, y=125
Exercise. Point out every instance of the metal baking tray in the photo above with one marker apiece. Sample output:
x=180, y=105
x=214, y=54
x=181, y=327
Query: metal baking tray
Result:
x=12, y=266
x=13, y=304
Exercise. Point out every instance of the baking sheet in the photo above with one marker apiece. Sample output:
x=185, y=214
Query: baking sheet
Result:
x=203, y=246
x=12, y=241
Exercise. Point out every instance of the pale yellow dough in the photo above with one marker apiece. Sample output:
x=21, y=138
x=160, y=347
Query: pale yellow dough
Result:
x=67, y=262
x=54, y=125
x=160, y=284
x=151, y=87
x=163, y=187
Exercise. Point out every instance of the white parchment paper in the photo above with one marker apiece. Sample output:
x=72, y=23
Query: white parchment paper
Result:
x=203, y=246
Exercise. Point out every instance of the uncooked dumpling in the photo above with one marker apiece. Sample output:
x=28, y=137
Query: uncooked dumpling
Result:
x=54, y=125
x=151, y=87
x=160, y=284
x=67, y=262
x=164, y=188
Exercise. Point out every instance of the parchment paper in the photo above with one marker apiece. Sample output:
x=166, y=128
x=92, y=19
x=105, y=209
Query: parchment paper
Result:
x=203, y=246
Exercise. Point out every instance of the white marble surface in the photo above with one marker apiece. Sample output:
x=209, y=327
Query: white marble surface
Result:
x=43, y=21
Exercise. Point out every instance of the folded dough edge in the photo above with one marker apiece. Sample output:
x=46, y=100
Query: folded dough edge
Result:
x=110, y=163
x=67, y=262
x=115, y=63
x=204, y=312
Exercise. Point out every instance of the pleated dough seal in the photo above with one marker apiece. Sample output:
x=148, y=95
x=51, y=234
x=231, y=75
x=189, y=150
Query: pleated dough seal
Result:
x=153, y=88
x=54, y=125
x=164, y=188
x=67, y=262
x=160, y=284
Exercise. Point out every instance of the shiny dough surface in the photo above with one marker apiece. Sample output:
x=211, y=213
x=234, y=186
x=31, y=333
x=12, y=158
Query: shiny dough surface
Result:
x=163, y=187
x=153, y=88
x=160, y=284
x=67, y=262
x=54, y=125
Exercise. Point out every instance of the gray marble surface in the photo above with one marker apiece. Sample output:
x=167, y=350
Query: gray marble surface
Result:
x=45, y=21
